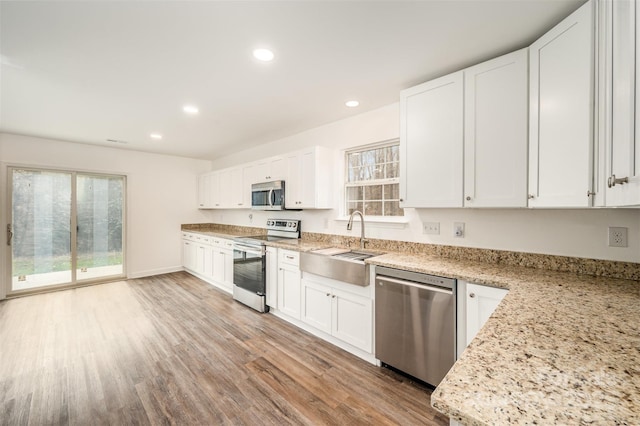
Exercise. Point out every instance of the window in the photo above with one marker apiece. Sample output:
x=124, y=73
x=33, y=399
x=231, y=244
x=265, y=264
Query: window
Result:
x=372, y=181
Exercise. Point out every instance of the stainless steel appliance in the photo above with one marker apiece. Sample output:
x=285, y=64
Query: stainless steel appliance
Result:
x=268, y=195
x=249, y=262
x=415, y=323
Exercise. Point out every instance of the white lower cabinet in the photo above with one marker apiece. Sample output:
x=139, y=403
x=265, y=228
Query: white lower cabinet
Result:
x=342, y=314
x=476, y=303
x=289, y=283
x=208, y=258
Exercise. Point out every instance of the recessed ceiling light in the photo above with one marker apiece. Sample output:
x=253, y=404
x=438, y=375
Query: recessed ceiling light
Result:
x=190, y=109
x=264, y=55
x=155, y=136
x=352, y=104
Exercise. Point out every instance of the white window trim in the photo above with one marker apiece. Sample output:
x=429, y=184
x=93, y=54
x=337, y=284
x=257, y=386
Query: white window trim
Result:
x=396, y=222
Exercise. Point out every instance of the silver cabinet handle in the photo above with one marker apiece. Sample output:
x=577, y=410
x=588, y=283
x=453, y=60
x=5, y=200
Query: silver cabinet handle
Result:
x=289, y=257
x=472, y=295
x=613, y=181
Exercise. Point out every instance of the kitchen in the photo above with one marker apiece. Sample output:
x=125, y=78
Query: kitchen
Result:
x=167, y=184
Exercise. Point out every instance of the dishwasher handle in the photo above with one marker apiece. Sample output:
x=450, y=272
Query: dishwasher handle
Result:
x=411, y=284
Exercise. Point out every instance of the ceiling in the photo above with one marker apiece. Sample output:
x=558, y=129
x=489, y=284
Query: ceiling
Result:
x=91, y=71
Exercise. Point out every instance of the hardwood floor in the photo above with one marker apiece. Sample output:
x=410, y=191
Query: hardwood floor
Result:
x=172, y=349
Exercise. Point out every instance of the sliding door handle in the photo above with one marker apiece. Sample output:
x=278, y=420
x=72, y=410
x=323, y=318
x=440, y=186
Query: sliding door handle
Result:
x=9, y=234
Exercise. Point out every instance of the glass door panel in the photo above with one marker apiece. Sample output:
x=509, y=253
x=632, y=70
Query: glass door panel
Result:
x=99, y=226
x=41, y=225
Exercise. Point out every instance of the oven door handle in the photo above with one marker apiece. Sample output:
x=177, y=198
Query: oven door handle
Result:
x=248, y=249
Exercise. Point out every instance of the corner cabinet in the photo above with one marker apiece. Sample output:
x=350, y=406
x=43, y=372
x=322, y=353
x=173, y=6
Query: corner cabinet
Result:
x=431, y=123
x=562, y=75
x=622, y=152
x=476, y=303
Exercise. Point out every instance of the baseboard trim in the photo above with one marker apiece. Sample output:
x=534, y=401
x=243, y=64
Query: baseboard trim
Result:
x=153, y=272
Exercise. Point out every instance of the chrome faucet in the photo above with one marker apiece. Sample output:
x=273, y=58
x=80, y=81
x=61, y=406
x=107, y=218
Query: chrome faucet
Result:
x=350, y=225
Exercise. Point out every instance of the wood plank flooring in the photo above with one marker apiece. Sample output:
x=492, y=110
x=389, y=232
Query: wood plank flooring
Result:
x=172, y=349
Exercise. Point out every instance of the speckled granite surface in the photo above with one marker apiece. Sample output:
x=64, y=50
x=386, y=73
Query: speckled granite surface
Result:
x=562, y=347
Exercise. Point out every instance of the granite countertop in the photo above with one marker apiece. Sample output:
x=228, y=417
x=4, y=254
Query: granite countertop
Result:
x=219, y=234
x=561, y=348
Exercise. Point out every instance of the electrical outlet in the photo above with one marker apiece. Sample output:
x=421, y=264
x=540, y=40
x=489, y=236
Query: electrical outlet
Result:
x=458, y=229
x=618, y=237
x=431, y=228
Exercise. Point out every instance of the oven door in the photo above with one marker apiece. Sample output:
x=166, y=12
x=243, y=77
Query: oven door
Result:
x=249, y=268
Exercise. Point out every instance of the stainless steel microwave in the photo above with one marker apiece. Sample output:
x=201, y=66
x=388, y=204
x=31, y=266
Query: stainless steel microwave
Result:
x=267, y=195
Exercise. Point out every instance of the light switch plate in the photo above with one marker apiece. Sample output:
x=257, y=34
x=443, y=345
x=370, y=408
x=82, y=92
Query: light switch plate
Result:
x=432, y=228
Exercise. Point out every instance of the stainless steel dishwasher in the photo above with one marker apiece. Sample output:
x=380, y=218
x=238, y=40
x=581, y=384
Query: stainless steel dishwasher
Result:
x=415, y=323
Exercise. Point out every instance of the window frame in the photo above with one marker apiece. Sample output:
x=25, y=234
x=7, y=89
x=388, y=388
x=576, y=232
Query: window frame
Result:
x=372, y=182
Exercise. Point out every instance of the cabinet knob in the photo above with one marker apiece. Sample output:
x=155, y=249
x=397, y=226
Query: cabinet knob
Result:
x=531, y=196
x=401, y=199
x=328, y=294
x=472, y=295
x=333, y=296
x=468, y=198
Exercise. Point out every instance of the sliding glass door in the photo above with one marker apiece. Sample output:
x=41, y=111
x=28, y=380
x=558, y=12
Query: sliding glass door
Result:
x=65, y=228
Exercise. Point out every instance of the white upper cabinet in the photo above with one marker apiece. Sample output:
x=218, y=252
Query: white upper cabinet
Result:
x=622, y=153
x=269, y=170
x=431, y=123
x=496, y=132
x=204, y=191
x=561, y=113
x=310, y=179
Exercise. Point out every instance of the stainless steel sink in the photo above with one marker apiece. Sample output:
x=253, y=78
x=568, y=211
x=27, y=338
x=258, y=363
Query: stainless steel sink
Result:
x=339, y=264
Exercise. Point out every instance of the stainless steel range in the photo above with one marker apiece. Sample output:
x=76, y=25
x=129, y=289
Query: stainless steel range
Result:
x=249, y=262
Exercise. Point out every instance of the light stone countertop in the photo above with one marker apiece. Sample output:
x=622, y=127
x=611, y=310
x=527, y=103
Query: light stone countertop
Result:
x=561, y=348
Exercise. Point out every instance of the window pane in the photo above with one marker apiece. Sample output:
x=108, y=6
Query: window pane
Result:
x=354, y=193
x=373, y=208
x=99, y=204
x=393, y=154
x=392, y=208
x=392, y=170
x=373, y=192
x=352, y=206
x=392, y=192
x=380, y=163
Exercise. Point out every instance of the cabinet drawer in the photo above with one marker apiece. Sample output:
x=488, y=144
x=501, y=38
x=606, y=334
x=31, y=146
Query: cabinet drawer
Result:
x=202, y=239
x=189, y=236
x=221, y=243
x=289, y=257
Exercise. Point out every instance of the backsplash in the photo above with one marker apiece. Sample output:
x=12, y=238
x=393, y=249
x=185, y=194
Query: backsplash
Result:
x=603, y=268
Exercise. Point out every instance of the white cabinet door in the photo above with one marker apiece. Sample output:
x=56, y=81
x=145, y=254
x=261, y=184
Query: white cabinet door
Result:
x=218, y=266
x=189, y=255
x=481, y=301
x=496, y=132
x=289, y=290
x=294, y=185
x=623, y=154
x=204, y=191
x=431, y=144
x=561, y=69
x=227, y=264
x=272, y=277
x=352, y=319
x=316, y=305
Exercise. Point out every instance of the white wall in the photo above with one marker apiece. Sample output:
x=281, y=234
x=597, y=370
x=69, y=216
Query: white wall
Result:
x=579, y=233
x=161, y=193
